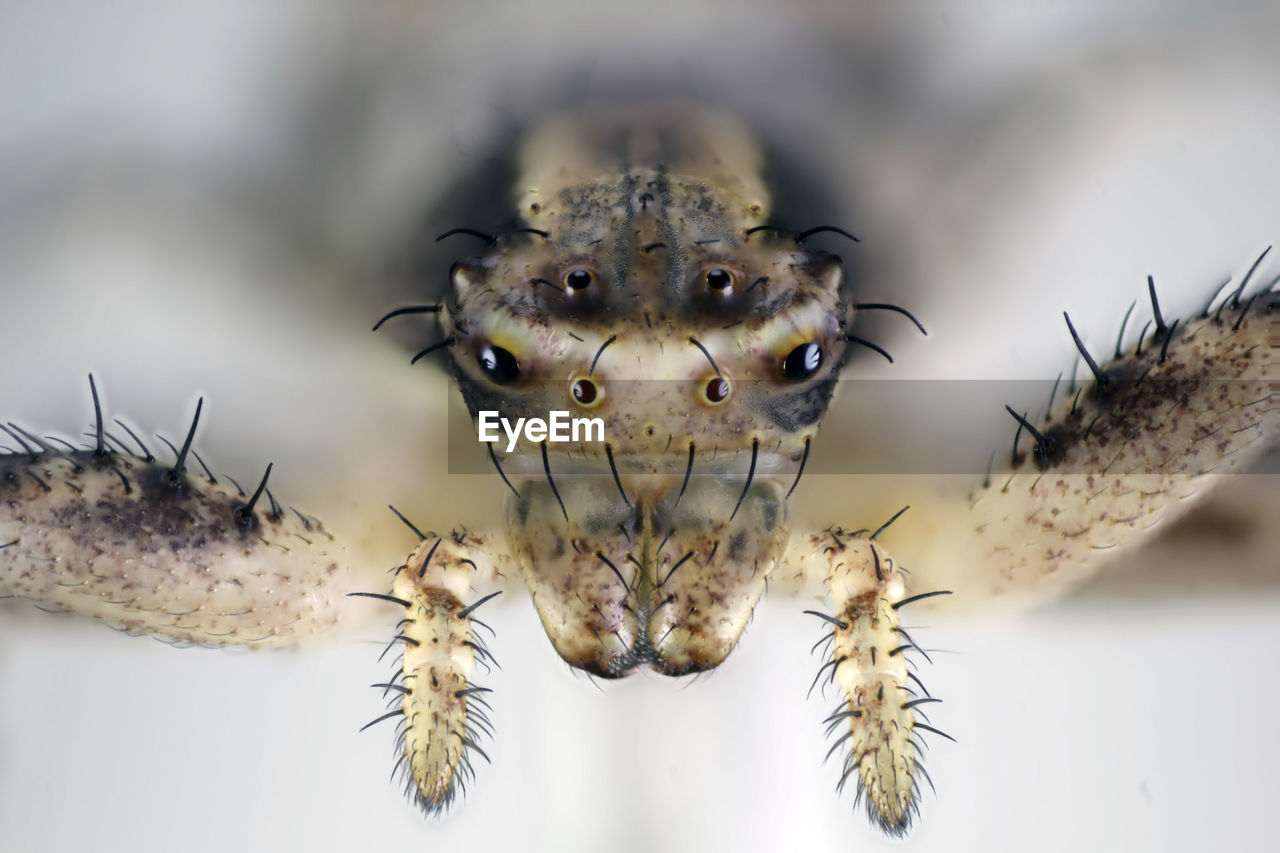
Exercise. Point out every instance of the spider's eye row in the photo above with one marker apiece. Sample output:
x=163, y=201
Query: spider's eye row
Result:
x=498, y=364
x=577, y=279
x=719, y=279
x=802, y=362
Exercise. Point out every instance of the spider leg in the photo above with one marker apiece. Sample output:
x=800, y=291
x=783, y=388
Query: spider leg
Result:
x=145, y=546
x=442, y=711
x=874, y=721
x=1115, y=462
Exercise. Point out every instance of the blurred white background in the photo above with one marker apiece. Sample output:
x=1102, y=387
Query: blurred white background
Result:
x=208, y=198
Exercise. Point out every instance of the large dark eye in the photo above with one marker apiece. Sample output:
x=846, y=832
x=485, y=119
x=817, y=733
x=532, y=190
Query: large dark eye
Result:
x=577, y=279
x=802, y=362
x=499, y=365
x=716, y=391
x=719, y=279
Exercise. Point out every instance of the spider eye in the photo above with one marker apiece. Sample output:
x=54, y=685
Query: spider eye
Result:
x=499, y=364
x=719, y=279
x=802, y=362
x=586, y=393
x=716, y=390
x=577, y=279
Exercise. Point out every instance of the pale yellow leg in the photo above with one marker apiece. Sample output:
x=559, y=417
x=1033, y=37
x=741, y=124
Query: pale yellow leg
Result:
x=442, y=711
x=873, y=726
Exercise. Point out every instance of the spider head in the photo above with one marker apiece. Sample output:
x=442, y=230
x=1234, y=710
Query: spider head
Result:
x=718, y=339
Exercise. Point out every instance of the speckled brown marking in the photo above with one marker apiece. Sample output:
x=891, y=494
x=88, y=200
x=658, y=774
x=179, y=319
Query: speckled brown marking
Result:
x=869, y=666
x=110, y=536
x=1125, y=460
x=586, y=596
x=442, y=713
x=699, y=608
x=873, y=725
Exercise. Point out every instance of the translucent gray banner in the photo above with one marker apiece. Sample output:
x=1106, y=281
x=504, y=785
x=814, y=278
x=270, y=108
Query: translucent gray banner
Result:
x=880, y=427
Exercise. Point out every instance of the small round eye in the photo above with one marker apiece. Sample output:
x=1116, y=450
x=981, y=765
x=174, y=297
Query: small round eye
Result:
x=719, y=279
x=716, y=390
x=802, y=362
x=577, y=279
x=499, y=364
x=586, y=393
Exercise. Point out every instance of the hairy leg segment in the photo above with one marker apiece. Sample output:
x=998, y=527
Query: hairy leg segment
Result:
x=441, y=711
x=157, y=549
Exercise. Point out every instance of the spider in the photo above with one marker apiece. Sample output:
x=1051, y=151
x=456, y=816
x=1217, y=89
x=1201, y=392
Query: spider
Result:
x=745, y=330
x=613, y=482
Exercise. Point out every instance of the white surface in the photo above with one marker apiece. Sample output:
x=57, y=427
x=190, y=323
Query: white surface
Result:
x=1113, y=731
x=1014, y=165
